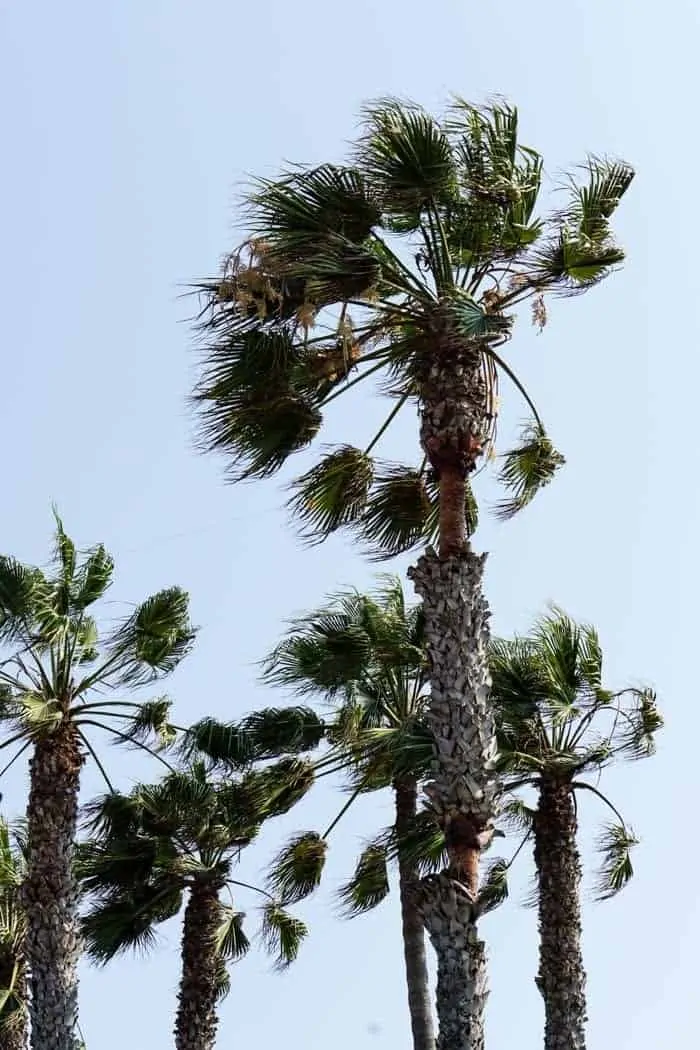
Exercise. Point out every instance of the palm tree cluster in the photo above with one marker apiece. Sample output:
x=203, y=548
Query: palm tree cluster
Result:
x=407, y=267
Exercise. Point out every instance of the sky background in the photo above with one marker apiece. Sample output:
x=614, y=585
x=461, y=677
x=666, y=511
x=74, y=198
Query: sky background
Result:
x=127, y=130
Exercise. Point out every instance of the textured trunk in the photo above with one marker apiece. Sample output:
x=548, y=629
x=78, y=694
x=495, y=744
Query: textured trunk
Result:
x=413, y=936
x=14, y=1026
x=49, y=892
x=197, y=1021
x=455, y=425
x=561, y=978
x=463, y=787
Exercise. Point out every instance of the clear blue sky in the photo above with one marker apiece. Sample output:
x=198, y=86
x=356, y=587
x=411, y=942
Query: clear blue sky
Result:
x=126, y=128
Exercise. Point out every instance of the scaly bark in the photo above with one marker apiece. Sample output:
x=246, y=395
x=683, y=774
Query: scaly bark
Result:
x=405, y=790
x=49, y=893
x=561, y=978
x=463, y=787
x=455, y=425
x=197, y=1021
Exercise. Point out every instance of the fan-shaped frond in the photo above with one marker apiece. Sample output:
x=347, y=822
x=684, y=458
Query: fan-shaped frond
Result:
x=92, y=578
x=127, y=921
x=494, y=886
x=297, y=869
x=615, y=845
x=369, y=884
x=231, y=941
x=282, y=934
x=527, y=469
x=333, y=493
x=155, y=638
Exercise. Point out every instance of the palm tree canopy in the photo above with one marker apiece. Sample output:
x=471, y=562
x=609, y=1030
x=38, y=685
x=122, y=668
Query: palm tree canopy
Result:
x=59, y=664
x=428, y=233
x=557, y=720
x=148, y=847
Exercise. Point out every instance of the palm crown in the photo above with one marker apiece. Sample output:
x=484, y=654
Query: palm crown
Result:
x=558, y=721
x=149, y=847
x=59, y=667
x=426, y=239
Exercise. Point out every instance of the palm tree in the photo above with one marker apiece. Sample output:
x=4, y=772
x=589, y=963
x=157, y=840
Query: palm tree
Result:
x=14, y=1017
x=558, y=725
x=408, y=261
x=365, y=656
x=52, y=693
x=183, y=836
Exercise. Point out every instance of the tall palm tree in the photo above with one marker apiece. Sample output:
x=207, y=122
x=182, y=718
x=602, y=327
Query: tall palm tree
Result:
x=365, y=656
x=408, y=261
x=14, y=1016
x=559, y=725
x=52, y=694
x=183, y=837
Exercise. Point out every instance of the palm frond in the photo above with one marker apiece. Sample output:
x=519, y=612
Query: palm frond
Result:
x=231, y=941
x=527, y=469
x=615, y=845
x=568, y=266
x=151, y=723
x=333, y=493
x=281, y=785
x=421, y=845
x=127, y=921
x=369, y=884
x=92, y=579
x=265, y=734
x=494, y=886
x=19, y=589
x=297, y=869
x=155, y=638
x=282, y=934
x=591, y=205
x=643, y=722
x=407, y=159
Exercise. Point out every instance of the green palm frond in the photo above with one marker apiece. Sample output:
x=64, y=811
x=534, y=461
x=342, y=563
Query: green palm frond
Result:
x=494, y=886
x=615, y=845
x=422, y=845
x=527, y=469
x=644, y=720
x=282, y=934
x=402, y=512
x=324, y=654
x=568, y=266
x=297, y=869
x=409, y=160
x=283, y=784
x=592, y=204
x=298, y=214
x=333, y=493
x=517, y=816
x=369, y=884
x=231, y=941
x=126, y=921
x=150, y=722
x=268, y=733
x=92, y=578
x=155, y=638
x=20, y=589
x=37, y=714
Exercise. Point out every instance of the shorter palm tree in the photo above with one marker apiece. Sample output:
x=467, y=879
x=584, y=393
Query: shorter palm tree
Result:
x=364, y=655
x=557, y=726
x=54, y=687
x=14, y=1015
x=182, y=837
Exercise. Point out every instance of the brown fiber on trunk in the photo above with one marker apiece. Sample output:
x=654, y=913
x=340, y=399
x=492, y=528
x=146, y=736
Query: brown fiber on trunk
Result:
x=49, y=893
x=453, y=519
x=561, y=978
x=197, y=1021
x=419, y=1006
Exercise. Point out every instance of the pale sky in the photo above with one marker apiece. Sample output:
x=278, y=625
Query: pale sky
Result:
x=127, y=129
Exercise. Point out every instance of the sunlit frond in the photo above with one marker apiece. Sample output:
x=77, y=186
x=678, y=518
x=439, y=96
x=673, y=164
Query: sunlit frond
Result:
x=527, y=469
x=297, y=869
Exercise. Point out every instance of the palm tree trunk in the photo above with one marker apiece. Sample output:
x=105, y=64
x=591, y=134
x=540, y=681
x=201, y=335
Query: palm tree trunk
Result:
x=14, y=1027
x=561, y=978
x=406, y=794
x=49, y=894
x=454, y=427
x=197, y=1021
